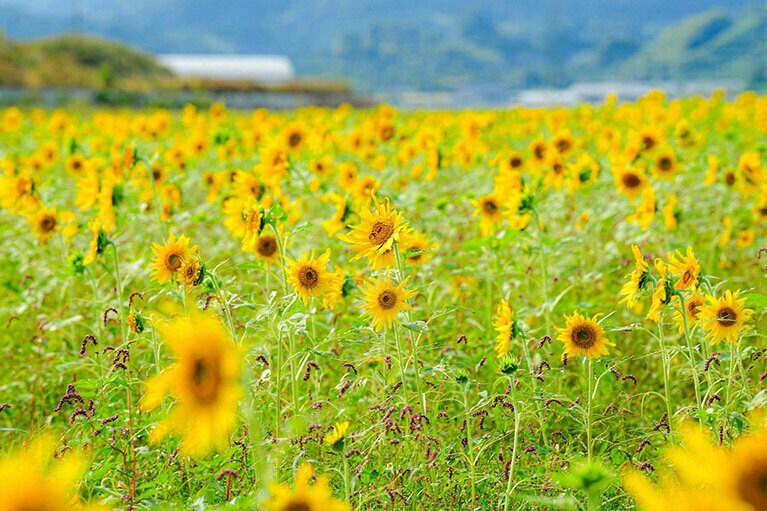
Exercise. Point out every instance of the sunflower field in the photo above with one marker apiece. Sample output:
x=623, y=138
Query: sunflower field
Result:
x=373, y=309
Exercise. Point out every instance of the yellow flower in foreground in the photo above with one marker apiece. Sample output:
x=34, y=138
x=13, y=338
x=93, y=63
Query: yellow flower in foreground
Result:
x=317, y=497
x=724, y=318
x=692, y=305
x=33, y=479
x=310, y=276
x=338, y=433
x=375, y=235
x=583, y=336
x=707, y=477
x=204, y=381
x=253, y=218
x=170, y=257
x=384, y=301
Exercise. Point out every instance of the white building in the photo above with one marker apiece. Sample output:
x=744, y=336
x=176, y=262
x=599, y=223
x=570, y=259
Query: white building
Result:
x=258, y=68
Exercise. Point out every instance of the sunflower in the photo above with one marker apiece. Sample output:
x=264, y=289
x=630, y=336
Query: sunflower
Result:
x=661, y=295
x=32, y=479
x=583, y=336
x=46, y=222
x=724, y=318
x=309, y=275
x=267, y=248
x=488, y=209
x=637, y=279
x=191, y=272
x=375, y=235
x=416, y=248
x=338, y=433
x=294, y=136
x=204, y=381
x=645, y=212
x=254, y=224
x=305, y=497
x=170, y=257
x=665, y=165
x=384, y=301
x=98, y=242
x=686, y=267
x=692, y=305
x=506, y=326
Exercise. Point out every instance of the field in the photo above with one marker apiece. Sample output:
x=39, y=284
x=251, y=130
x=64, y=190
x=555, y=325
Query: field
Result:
x=333, y=309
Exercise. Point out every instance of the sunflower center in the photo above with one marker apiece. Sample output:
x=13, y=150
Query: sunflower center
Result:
x=631, y=180
x=563, y=145
x=205, y=379
x=308, y=277
x=173, y=261
x=515, y=162
x=539, y=151
x=297, y=505
x=693, y=307
x=47, y=223
x=387, y=299
x=294, y=139
x=729, y=179
x=490, y=207
x=190, y=273
x=727, y=317
x=648, y=142
x=583, y=336
x=752, y=485
x=688, y=277
x=664, y=163
x=381, y=232
x=267, y=246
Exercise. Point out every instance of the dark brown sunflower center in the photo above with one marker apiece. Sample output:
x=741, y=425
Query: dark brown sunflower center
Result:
x=77, y=164
x=539, y=151
x=563, y=145
x=47, y=223
x=752, y=485
x=515, y=162
x=665, y=163
x=490, y=207
x=156, y=174
x=729, y=179
x=297, y=505
x=584, y=336
x=294, y=139
x=381, y=232
x=693, y=307
x=688, y=277
x=631, y=180
x=205, y=379
x=308, y=277
x=387, y=299
x=190, y=272
x=267, y=246
x=727, y=316
x=648, y=143
x=557, y=168
x=173, y=262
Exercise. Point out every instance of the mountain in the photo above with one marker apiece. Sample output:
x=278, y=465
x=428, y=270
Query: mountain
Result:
x=424, y=44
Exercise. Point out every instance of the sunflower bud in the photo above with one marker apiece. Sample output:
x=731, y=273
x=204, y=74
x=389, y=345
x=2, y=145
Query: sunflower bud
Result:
x=508, y=364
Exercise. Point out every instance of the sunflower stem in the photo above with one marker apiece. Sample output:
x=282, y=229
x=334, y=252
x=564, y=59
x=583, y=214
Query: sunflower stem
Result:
x=119, y=288
x=414, y=344
x=510, y=475
x=690, y=349
x=590, y=378
x=666, y=370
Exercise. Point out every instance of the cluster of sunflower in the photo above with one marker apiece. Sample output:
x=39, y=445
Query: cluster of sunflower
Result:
x=205, y=208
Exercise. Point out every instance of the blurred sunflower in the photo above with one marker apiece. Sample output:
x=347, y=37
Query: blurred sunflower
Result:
x=305, y=497
x=204, y=382
x=338, y=433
